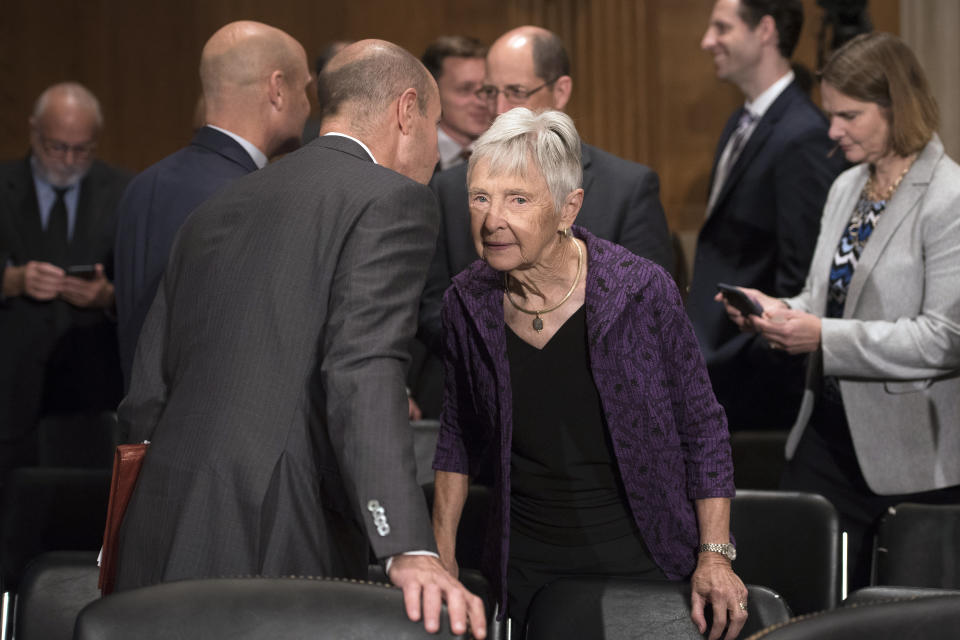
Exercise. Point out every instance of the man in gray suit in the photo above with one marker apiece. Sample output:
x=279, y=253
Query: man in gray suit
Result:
x=269, y=374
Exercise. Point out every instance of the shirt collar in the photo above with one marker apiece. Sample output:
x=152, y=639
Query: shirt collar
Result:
x=365, y=147
x=759, y=106
x=259, y=157
x=450, y=150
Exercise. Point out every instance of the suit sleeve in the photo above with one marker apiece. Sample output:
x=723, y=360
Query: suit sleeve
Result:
x=430, y=330
x=644, y=231
x=143, y=405
x=803, y=177
x=371, y=319
x=700, y=420
x=924, y=346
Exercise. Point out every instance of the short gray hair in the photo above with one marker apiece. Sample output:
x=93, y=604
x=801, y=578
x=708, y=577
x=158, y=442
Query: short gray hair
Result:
x=549, y=137
x=73, y=91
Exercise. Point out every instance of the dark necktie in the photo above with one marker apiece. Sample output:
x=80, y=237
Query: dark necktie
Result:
x=56, y=239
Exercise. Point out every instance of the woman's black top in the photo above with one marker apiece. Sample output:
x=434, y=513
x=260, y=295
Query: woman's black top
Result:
x=565, y=485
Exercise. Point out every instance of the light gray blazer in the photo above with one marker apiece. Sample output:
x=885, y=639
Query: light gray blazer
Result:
x=896, y=350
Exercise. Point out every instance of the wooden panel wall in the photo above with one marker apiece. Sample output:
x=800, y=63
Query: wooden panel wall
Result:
x=642, y=87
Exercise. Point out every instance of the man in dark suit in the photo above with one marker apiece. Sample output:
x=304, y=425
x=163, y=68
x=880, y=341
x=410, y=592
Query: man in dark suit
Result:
x=253, y=112
x=528, y=67
x=269, y=374
x=770, y=179
x=58, y=349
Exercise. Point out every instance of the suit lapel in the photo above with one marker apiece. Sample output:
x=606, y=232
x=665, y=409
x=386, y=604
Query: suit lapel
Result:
x=758, y=138
x=26, y=212
x=899, y=208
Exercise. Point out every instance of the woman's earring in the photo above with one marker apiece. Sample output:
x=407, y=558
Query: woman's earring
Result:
x=568, y=233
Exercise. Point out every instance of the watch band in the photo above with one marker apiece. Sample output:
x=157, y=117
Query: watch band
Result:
x=727, y=550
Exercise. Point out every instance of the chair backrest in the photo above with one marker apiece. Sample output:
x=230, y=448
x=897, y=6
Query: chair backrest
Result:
x=48, y=509
x=918, y=545
x=254, y=608
x=632, y=609
x=758, y=458
x=933, y=618
x=81, y=439
x=789, y=542
x=54, y=588
x=873, y=595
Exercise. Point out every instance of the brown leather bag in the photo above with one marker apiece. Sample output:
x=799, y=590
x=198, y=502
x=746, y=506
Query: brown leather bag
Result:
x=127, y=461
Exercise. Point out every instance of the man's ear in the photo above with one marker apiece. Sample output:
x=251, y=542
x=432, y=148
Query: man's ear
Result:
x=562, y=89
x=408, y=110
x=277, y=90
x=766, y=30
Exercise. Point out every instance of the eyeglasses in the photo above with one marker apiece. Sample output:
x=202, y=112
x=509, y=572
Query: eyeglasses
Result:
x=59, y=149
x=513, y=93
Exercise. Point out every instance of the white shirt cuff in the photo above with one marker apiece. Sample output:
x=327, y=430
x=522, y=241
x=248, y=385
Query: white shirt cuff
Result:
x=408, y=553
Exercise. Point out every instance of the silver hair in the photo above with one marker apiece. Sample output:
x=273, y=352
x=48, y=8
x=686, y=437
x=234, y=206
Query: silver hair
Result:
x=77, y=91
x=549, y=138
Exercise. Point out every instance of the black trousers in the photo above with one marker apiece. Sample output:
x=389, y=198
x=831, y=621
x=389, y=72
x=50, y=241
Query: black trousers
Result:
x=828, y=465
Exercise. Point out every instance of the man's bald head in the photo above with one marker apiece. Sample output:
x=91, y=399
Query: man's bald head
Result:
x=529, y=68
x=550, y=60
x=240, y=55
x=255, y=79
x=64, y=127
x=360, y=82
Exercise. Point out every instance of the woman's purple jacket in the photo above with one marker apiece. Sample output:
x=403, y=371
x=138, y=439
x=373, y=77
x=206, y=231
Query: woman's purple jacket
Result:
x=669, y=434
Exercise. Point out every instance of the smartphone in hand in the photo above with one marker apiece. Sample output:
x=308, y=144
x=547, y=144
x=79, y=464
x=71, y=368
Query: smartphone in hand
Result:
x=85, y=271
x=739, y=300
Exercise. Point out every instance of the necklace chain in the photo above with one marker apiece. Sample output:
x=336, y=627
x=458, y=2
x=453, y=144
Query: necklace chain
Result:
x=870, y=189
x=537, y=321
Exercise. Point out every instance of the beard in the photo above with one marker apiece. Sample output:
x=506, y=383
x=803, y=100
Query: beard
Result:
x=62, y=176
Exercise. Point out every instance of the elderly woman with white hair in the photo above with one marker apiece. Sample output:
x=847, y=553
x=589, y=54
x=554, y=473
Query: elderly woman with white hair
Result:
x=574, y=377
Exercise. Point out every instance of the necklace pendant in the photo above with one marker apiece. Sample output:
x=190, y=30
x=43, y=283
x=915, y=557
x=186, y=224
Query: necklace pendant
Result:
x=538, y=324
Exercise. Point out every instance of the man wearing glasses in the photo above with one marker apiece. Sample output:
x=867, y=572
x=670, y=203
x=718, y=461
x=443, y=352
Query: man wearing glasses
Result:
x=528, y=67
x=57, y=217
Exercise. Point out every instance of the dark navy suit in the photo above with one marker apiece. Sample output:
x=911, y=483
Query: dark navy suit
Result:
x=153, y=208
x=761, y=234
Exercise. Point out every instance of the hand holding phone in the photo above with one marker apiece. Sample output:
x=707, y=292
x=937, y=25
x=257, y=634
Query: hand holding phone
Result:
x=739, y=300
x=84, y=271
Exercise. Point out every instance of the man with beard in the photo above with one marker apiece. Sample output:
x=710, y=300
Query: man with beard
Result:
x=57, y=218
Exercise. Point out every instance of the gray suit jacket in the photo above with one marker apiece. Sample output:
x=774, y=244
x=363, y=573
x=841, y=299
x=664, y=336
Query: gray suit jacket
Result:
x=269, y=377
x=896, y=350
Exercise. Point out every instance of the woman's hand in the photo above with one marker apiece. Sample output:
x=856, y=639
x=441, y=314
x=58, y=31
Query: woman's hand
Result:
x=791, y=330
x=715, y=582
x=744, y=323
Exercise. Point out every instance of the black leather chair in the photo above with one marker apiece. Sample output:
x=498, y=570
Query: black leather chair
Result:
x=789, y=542
x=472, y=531
x=758, y=458
x=872, y=595
x=50, y=509
x=632, y=609
x=918, y=545
x=926, y=618
x=85, y=439
x=54, y=588
x=254, y=608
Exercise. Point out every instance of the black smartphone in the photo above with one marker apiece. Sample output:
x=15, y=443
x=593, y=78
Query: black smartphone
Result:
x=85, y=271
x=739, y=300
